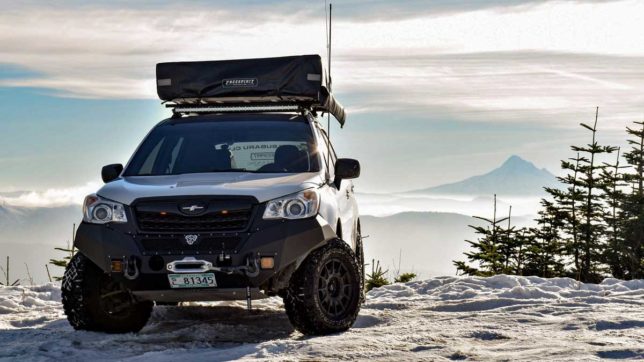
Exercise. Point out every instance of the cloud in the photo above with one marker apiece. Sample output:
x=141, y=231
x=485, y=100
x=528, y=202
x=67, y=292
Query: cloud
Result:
x=353, y=10
x=50, y=197
x=555, y=89
x=514, y=60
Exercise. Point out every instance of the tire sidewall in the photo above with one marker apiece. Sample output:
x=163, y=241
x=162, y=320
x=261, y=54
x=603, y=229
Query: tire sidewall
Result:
x=349, y=262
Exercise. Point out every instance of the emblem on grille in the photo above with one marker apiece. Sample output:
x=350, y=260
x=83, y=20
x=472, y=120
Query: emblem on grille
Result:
x=191, y=239
x=193, y=208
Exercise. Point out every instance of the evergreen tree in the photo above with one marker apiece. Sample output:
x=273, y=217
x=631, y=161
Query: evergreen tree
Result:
x=377, y=278
x=508, y=246
x=486, y=249
x=568, y=200
x=544, y=251
x=69, y=250
x=632, y=248
x=611, y=185
x=591, y=210
x=522, y=239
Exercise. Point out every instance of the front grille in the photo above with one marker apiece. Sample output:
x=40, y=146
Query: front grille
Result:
x=218, y=215
x=154, y=221
x=176, y=244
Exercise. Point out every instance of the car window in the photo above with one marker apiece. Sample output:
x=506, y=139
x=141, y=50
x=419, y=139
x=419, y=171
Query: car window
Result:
x=226, y=146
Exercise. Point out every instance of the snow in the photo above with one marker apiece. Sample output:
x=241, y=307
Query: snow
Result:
x=443, y=318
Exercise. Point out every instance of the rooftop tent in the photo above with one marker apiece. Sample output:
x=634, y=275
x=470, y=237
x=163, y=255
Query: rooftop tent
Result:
x=265, y=81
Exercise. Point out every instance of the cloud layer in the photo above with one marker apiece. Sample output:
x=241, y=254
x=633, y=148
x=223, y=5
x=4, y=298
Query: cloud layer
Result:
x=49, y=197
x=549, y=61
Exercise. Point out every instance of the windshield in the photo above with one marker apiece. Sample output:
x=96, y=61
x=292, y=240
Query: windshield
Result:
x=226, y=146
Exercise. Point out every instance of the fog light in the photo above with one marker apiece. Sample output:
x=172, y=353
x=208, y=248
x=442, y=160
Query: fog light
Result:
x=117, y=266
x=266, y=262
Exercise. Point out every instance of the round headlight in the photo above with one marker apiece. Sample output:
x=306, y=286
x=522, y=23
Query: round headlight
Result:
x=102, y=212
x=295, y=208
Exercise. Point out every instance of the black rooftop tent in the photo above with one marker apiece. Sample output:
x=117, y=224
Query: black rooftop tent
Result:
x=294, y=80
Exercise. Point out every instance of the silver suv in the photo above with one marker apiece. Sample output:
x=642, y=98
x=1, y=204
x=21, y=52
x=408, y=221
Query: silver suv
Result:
x=222, y=205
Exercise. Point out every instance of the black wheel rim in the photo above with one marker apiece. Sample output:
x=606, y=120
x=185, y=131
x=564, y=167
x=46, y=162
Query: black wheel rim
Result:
x=335, y=289
x=114, y=299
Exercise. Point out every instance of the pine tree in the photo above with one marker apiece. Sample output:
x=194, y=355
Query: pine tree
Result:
x=632, y=249
x=567, y=201
x=591, y=210
x=522, y=239
x=377, y=278
x=544, y=251
x=508, y=245
x=611, y=185
x=486, y=249
x=69, y=250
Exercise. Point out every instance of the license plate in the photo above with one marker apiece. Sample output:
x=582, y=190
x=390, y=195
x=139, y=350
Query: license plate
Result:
x=196, y=280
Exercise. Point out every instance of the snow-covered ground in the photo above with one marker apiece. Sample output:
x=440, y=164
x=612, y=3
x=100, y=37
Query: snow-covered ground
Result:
x=450, y=318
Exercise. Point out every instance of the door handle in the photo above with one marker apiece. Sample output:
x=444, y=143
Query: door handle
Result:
x=348, y=194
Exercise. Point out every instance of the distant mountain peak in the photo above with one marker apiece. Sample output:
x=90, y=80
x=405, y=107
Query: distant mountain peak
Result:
x=515, y=176
x=516, y=164
x=515, y=160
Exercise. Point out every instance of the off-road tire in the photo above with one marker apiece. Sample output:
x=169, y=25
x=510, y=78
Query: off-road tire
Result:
x=304, y=300
x=82, y=286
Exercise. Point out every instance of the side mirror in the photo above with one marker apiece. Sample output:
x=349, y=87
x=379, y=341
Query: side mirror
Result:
x=347, y=168
x=111, y=172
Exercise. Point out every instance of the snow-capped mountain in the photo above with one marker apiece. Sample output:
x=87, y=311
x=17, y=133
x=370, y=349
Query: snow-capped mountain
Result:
x=516, y=177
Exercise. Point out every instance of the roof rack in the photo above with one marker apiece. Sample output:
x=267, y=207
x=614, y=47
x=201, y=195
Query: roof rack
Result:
x=236, y=108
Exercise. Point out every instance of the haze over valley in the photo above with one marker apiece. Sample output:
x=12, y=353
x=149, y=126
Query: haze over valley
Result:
x=422, y=230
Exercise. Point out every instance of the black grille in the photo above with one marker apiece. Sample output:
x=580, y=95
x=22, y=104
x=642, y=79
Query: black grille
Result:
x=219, y=215
x=178, y=245
x=154, y=221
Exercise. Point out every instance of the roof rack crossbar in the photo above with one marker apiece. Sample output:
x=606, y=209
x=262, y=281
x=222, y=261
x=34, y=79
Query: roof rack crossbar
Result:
x=236, y=108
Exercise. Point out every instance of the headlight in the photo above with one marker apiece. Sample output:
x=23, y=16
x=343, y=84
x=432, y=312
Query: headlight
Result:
x=97, y=210
x=297, y=206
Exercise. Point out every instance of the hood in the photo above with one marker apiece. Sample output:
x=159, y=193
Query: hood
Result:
x=263, y=187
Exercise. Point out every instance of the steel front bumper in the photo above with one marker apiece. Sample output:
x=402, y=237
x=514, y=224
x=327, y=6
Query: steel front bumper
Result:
x=287, y=241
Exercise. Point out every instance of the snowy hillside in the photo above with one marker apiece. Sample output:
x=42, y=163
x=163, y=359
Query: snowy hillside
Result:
x=446, y=318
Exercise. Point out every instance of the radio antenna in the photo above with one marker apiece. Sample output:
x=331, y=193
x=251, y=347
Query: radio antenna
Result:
x=328, y=85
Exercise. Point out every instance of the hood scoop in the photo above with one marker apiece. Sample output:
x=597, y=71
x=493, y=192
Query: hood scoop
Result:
x=200, y=183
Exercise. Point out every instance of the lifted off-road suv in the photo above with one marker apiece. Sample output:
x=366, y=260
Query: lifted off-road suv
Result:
x=239, y=195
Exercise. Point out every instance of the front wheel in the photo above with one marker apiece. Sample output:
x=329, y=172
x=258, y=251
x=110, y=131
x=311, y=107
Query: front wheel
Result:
x=93, y=301
x=324, y=293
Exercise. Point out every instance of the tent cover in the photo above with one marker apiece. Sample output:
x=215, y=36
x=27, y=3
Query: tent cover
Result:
x=285, y=80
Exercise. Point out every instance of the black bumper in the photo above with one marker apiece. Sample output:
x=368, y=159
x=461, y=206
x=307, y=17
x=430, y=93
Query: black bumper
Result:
x=288, y=241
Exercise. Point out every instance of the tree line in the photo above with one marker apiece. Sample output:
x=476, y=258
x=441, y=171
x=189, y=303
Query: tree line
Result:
x=590, y=228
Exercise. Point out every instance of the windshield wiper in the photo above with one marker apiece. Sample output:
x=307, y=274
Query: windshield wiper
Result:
x=229, y=170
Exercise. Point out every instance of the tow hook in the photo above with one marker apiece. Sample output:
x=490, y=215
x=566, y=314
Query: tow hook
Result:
x=251, y=271
x=131, y=271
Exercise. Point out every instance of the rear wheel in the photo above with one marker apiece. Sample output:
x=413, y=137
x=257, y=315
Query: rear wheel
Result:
x=324, y=293
x=93, y=301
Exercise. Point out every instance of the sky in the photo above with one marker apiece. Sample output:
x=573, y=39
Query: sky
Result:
x=435, y=91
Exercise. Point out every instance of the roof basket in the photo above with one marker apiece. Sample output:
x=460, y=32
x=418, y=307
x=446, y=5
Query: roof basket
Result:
x=285, y=84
